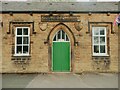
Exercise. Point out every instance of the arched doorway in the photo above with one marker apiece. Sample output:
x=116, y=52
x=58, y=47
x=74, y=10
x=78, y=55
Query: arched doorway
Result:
x=61, y=57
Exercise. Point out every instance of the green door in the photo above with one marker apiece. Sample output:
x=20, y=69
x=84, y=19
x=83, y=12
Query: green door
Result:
x=61, y=56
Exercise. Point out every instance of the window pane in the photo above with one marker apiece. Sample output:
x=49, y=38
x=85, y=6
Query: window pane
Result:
x=19, y=40
x=96, y=49
x=25, y=49
x=59, y=35
x=102, y=31
x=19, y=31
x=102, y=40
x=102, y=49
x=96, y=31
x=25, y=40
x=54, y=38
x=67, y=39
x=25, y=31
x=63, y=34
x=96, y=40
x=19, y=49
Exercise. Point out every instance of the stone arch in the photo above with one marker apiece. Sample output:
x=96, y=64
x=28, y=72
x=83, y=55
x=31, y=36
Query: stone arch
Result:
x=71, y=36
x=65, y=28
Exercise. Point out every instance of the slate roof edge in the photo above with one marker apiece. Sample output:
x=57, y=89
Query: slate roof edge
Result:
x=4, y=12
x=7, y=8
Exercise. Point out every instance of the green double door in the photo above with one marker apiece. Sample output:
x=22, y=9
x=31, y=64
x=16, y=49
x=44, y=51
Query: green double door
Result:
x=61, y=56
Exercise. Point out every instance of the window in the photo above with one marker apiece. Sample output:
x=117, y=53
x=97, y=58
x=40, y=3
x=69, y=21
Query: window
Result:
x=22, y=39
x=99, y=41
x=61, y=36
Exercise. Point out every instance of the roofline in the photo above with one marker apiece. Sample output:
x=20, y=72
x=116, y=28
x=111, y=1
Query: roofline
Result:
x=57, y=12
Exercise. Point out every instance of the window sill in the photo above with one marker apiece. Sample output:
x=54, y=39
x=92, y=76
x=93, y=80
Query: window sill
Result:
x=100, y=55
x=21, y=55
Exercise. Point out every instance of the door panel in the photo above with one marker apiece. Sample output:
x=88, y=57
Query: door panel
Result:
x=61, y=56
x=56, y=57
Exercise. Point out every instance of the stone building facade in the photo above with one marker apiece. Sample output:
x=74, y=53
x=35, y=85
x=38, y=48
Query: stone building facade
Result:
x=72, y=38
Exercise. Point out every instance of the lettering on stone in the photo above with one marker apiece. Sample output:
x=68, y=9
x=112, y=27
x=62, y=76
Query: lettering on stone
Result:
x=58, y=18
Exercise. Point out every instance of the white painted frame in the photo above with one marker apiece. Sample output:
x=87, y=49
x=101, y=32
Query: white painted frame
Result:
x=22, y=54
x=60, y=37
x=99, y=54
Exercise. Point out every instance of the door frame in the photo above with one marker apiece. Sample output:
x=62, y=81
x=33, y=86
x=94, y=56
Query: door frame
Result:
x=72, y=39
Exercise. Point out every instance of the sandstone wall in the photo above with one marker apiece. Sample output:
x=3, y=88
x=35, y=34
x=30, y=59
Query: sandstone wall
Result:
x=82, y=59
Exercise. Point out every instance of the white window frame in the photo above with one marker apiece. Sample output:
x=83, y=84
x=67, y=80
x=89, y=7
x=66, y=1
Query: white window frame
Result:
x=22, y=54
x=99, y=54
x=61, y=40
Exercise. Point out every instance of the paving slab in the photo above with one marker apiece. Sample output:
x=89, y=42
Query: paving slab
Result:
x=74, y=81
x=16, y=80
x=60, y=80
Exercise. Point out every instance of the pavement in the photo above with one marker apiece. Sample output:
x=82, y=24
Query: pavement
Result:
x=16, y=80
x=0, y=81
x=60, y=80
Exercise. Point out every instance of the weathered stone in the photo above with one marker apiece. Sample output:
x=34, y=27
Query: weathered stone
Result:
x=40, y=53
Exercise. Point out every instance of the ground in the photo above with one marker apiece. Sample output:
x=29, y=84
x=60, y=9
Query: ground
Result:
x=60, y=80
